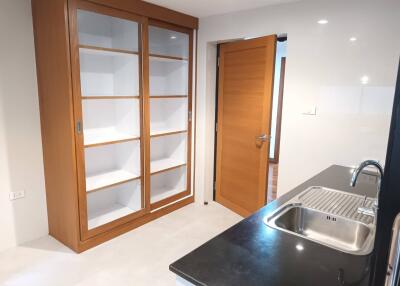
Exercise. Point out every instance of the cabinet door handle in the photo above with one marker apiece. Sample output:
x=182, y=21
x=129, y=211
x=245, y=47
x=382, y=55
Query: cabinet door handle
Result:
x=79, y=127
x=393, y=267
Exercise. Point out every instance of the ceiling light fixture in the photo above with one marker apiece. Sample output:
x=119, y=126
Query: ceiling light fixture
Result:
x=299, y=247
x=353, y=39
x=173, y=37
x=323, y=22
x=364, y=79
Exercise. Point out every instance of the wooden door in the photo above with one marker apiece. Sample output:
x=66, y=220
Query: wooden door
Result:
x=246, y=74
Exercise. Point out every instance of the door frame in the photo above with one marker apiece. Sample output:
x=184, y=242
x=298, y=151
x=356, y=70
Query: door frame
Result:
x=278, y=129
x=215, y=125
x=217, y=89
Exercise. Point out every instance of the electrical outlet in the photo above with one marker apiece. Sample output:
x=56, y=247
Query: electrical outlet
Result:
x=17, y=195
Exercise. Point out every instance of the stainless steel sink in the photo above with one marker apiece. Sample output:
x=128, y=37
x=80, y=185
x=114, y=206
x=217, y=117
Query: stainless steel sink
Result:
x=333, y=221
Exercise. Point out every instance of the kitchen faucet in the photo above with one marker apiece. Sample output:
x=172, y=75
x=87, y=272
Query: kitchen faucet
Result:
x=371, y=211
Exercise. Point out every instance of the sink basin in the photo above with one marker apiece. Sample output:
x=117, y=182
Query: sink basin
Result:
x=350, y=235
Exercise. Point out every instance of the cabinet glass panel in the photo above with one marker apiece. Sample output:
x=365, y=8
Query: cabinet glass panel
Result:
x=168, y=43
x=109, y=164
x=105, y=73
x=108, y=32
x=168, y=115
x=169, y=77
x=169, y=52
x=108, y=55
x=109, y=120
x=111, y=115
x=168, y=152
x=113, y=203
x=167, y=184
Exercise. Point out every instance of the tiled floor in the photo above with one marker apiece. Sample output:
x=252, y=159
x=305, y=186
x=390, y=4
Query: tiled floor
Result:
x=140, y=257
x=272, y=182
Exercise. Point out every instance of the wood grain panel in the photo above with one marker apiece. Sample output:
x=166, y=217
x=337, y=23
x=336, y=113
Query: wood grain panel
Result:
x=244, y=112
x=50, y=19
x=152, y=11
x=120, y=229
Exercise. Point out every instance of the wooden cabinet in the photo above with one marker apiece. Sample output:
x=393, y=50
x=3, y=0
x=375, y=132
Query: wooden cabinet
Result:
x=123, y=130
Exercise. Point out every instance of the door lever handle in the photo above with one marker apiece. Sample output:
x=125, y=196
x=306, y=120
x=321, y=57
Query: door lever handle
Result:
x=263, y=137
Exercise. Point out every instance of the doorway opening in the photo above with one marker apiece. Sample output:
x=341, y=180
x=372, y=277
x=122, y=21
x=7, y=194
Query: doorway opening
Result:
x=276, y=119
x=250, y=75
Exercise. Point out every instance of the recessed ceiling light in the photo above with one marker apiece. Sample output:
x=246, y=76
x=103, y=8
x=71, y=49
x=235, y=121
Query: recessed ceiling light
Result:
x=299, y=247
x=173, y=37
x=364, y=79
x=323, y=22
x=353, y=39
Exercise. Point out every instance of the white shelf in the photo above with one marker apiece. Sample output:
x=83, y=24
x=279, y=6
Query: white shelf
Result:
x=112, y=203
x=168, y=152
x=109, y=214
x=164, y=164
x=102, y=180
x=166, y=59
x=109, y=120
x=159, y=132
x=104, y=135
x=119, y=156
x=168, y=115
x=89, y=50
x=108, y=73
x=167, y=184
x=113, y=212
x=163, y=193
x=168, y=76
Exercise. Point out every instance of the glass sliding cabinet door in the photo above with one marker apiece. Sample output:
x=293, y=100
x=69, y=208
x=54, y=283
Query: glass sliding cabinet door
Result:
x=170, y=64
x=108, y=59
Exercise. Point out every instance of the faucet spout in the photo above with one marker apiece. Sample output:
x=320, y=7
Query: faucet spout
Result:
x=363, y=165
x=368, y=211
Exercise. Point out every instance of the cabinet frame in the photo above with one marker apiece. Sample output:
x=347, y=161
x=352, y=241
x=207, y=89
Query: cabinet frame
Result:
x=58, y=75
x=144, y=105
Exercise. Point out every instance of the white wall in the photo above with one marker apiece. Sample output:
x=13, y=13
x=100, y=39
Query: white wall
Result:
x=321, y=64
x=21, y=165
x=322, y=67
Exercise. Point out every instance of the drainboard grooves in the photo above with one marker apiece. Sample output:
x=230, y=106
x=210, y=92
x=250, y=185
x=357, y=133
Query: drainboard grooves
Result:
x=336, y=203
x=326, y=202
x=329, y=202
x=345, y=205
x=315, y=201
x=349, y=210
x=310, y=198
x=322, y=200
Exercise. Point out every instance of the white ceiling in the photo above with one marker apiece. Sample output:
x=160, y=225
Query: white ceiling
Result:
x=204, y=8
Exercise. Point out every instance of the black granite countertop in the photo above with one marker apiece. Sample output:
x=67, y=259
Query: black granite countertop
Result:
x=251, y=253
